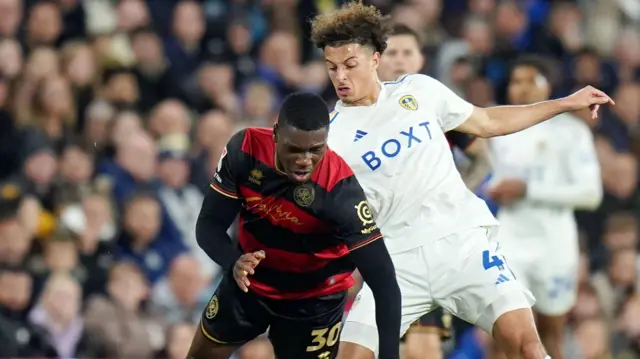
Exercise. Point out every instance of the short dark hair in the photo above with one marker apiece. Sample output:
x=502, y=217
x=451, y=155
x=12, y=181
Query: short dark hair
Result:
x=402, y=29
x=544, y=65
x=304, y=111
x=352, y=23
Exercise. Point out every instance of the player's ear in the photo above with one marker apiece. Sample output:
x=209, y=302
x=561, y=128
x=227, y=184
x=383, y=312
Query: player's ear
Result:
x=275, y=132
x=375, y=60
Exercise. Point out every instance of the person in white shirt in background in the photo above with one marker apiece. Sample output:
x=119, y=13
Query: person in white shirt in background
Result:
x=439, y=234
x=541, y=175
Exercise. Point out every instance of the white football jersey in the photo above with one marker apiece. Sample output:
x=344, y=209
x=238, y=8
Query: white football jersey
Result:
x=558, y=161
x=398, y=150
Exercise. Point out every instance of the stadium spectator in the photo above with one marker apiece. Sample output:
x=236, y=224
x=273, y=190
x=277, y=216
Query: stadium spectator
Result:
x=181, y=296
x=58, y=314
x=143, y=240
x=118, y=320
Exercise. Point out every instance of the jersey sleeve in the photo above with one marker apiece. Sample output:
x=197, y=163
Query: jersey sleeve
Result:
x=230, y=165
x=349, y=211
x=450, y=108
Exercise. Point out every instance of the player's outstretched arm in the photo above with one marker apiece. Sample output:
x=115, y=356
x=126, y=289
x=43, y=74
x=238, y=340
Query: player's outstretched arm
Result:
x=503, y=120
x=376, y=268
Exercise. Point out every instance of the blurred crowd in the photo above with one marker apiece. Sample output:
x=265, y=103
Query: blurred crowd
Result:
x=113, y=114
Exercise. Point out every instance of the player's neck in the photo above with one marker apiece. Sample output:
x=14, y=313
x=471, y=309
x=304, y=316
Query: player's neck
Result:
x=369, y=99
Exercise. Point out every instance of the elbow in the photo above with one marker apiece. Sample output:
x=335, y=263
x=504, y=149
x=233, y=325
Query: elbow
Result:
x=488, y=130
x=200, y=231
x=487, y=125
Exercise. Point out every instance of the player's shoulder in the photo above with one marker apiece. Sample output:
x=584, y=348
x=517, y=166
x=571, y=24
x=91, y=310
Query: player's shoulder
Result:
x=252, y=142
x=251, y=139
x=412, y=81
x=332, y=171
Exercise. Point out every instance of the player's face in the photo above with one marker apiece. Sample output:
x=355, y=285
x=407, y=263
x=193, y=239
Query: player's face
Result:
x=352, y=69
x=527, y=86
x=402, y=56
x=299, y=152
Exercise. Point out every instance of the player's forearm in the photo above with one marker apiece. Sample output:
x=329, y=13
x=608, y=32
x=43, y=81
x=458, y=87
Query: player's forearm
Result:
x=216, y=215
x=376, y=268
x=585, y=196
x=503, y=120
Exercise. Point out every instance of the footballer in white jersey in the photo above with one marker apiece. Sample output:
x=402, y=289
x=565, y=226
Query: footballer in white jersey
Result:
x=440, y=234
x=425, y=337
x=541, y=175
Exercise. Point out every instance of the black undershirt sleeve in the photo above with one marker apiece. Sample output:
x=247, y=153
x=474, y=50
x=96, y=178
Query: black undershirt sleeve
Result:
x=376, y=268
x=349, y=210
x=216, y=216
x=221, y=206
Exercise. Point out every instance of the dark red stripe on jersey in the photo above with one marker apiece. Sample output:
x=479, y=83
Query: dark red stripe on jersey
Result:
x=262, y=284
x=280, y=212
x=287, y=261
x=258, y=142
x=331, y=170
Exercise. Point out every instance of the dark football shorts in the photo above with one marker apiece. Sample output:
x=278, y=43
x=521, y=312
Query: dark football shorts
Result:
x=437, y=321
x=298, y=329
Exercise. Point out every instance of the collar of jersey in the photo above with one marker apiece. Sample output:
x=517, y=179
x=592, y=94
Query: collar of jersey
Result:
x=380, y=95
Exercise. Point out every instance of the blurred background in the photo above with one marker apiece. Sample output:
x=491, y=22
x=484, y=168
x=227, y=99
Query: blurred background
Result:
x=113, y=114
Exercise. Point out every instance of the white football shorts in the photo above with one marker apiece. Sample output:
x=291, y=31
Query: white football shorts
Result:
x=464, y=273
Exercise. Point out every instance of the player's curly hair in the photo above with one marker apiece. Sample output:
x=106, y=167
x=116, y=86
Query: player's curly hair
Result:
x=352, y=23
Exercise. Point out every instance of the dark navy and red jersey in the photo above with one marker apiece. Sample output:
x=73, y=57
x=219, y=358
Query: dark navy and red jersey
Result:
x=306, y=229
x=459, y=139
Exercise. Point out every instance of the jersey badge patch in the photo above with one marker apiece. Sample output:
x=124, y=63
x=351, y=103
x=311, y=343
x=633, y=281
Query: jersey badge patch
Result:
x=304, y=195
x=212, y=308
x=408, y=102
x=364, y=213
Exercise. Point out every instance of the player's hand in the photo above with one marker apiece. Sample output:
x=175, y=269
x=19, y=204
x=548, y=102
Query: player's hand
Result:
x=589, y=97
x=245, y=266
x=508, y=191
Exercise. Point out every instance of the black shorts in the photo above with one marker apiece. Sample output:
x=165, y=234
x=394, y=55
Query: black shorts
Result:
x=298, y=329
x=437, y=321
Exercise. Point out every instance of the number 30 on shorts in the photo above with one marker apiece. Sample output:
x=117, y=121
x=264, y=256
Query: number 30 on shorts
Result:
x=324, y=337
